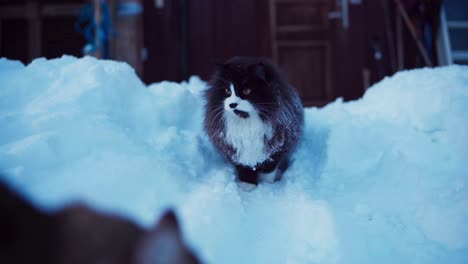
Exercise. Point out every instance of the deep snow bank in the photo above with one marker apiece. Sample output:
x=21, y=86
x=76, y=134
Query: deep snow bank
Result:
x=379, y=180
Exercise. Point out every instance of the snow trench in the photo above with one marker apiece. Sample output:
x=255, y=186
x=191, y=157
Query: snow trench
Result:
x=379, y=180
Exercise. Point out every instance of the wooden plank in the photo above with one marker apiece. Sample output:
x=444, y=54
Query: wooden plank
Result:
x=460, y=54
x=300, y=1
x=414, y=34
x=52, y=10
x=308, y=14
x=34, y=34
x=263, y=28
x=304, y=61
x=18, y=11
x=399, y=45
x=130, y=40
x=1, y=38
x=113, y=40
x=229, y=39
x=302, y=43
x=457, y=24
x=298, y=28
x=201, y=37
x=272, y=7
x=307, y=65
x=12, y=12
x=97, y=18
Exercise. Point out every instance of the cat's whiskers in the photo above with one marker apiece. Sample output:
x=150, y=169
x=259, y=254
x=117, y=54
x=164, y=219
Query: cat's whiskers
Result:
x=215, y=121
x=214, y=108
x=219, y=118
x=218, y=112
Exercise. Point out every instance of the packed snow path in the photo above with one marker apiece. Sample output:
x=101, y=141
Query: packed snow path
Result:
x=379, y=180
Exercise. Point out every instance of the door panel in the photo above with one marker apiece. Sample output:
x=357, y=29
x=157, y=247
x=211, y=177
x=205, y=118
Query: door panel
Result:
x=302, y=44
x=306, y=64
x=162, y=40
x=13, y=33
x=216, y=31
x=219, y=30
x=300, y=16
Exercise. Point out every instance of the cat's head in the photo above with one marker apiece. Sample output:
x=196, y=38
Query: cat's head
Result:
x=243, y=87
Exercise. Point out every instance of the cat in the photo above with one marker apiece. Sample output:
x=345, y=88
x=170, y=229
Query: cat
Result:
x=254, y=117
x=79, y=234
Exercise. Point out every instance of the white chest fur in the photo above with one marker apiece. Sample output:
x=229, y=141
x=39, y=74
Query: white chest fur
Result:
x=246, y=136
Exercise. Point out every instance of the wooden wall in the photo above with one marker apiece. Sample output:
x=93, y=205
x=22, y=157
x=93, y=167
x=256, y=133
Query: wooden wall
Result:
x=31, y=29
x=187, y=37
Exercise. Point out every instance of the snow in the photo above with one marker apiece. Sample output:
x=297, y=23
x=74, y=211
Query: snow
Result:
x=379, y=180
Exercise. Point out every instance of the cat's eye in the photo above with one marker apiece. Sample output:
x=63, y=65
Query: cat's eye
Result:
x=246, y=91
x=228, y=91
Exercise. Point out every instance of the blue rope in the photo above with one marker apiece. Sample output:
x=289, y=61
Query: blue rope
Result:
x=86, y=26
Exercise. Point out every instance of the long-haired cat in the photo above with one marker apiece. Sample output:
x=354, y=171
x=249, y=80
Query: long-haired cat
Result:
x=254, y=117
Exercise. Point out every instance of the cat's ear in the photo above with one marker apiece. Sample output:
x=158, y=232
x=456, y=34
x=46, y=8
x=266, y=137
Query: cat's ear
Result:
x=259, y=71
x=165, y=244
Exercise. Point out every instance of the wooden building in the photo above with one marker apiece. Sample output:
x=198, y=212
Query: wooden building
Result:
x=327, y=48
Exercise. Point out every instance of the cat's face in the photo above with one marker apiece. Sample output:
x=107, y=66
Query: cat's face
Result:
x=238, y=102
x=242, y=89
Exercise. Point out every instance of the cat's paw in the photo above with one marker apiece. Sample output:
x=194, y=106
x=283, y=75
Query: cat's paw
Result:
x=269, y=177
x=246, y=187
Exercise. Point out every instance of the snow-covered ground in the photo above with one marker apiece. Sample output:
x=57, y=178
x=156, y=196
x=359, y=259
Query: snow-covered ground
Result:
x=380, y=180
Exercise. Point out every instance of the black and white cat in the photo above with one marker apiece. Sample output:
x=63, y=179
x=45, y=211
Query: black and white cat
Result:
x=254, y=117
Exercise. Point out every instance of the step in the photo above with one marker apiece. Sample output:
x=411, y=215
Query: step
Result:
x=456, y=10
x=457, y=24
x=460, y=55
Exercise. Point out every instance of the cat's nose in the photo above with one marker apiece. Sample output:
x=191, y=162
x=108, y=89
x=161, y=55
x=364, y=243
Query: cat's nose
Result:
x=233, y=105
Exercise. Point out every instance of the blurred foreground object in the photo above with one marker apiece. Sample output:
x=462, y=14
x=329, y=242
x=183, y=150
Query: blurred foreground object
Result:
x=78, y=234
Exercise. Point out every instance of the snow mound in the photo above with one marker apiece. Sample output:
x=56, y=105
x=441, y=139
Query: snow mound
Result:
x=378, y=180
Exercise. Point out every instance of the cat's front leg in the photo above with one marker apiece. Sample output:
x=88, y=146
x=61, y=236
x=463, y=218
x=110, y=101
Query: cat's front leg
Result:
x=248, y=177
x=267, y=171
x=272, y=169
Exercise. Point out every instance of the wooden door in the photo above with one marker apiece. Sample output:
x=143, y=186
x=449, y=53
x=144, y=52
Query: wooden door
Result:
x=322, y=58
x=305, y=45
x=185, y=37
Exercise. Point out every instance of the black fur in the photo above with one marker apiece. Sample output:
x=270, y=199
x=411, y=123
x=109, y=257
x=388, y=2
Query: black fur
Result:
x=276, y=102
